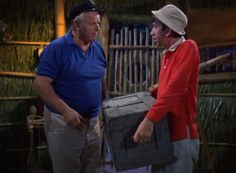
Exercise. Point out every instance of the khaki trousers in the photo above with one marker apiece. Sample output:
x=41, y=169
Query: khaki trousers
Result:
x=72, y=151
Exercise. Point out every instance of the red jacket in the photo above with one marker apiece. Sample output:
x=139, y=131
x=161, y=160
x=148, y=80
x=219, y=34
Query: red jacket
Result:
x=178, y=91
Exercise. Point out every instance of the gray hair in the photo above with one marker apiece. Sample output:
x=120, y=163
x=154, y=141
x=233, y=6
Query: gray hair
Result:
x=78, y=19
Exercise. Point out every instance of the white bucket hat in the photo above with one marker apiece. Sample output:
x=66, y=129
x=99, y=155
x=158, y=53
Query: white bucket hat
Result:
x=172, y=17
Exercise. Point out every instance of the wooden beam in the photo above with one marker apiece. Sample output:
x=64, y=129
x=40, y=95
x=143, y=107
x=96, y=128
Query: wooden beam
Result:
x=59, y=18
x=23, y=43
x=18, y=98
x=104, y=34
x=218, y=77
x=17, y=74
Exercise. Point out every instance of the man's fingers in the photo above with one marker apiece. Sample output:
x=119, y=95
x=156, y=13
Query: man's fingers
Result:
x=79, y=124
x=141, y=139
x=81, y=119
x=75, y=123
x=135, y=137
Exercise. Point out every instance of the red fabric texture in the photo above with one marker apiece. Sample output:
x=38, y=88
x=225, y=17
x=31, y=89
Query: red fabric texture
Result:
x=177, y=93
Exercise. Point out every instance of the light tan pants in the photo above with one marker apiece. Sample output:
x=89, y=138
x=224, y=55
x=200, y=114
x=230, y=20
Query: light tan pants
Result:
x=72, y=151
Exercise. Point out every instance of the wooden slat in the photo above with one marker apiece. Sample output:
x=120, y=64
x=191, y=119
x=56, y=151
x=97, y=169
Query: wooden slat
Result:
x=130, y=64
x=116, y=64
x=152, y=68
x=135, y=60
x=140, y=63
x=125, y=60
x=121, y=62
x=18, y=98
x=24, y=43
x=218, y=77
x=17, y=74
x=146, y=59
x=110, y=61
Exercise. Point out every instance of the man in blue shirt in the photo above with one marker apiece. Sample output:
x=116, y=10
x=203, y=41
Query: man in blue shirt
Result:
x=69, y=81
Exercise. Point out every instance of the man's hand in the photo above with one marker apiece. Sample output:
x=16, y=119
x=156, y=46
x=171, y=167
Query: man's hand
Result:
x=73, y=119
x=144, y=131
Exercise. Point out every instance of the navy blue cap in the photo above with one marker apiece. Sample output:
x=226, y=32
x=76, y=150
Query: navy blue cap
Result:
x=85, y=7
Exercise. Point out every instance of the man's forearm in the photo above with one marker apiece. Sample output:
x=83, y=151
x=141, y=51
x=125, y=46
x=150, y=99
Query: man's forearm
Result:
x=49, y=96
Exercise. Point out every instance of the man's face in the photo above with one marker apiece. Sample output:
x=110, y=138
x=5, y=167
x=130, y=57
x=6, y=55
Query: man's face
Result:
x=90, y=26
x=157, y=32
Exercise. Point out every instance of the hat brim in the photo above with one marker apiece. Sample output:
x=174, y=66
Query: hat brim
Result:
x=166, y=21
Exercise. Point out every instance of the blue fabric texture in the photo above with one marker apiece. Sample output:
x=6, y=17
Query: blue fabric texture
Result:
x=77, y=75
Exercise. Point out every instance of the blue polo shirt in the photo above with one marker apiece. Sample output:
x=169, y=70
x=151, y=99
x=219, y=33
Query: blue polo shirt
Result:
x=77, y=75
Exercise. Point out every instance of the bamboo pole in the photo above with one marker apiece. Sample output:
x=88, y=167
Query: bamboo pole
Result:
x=125, y=59
x=140, y=62
x=6, y=124
x=18, y=98
x=204, y=65
x=17, y=74
x=147, y=72
x=130, y=63
x=24, y=43
x=214, y=77
x=135, y=61
x=153, y=65
x=104, y=34
x=110, y=61
x=59, y=18
x=121, y=62
x=116, y=65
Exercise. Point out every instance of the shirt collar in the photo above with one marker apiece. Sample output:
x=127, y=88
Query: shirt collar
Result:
x=175, y=45
x=70, y=40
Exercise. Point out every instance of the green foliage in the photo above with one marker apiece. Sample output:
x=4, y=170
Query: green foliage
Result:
x=218, y=117
x=217, y=114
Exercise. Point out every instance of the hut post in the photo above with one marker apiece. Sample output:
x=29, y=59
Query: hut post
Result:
x=104, y=34
x=104, y=38
x=59, y=18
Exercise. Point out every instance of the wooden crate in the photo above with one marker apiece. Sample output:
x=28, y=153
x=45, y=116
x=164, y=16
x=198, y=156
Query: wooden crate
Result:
x=122, y=116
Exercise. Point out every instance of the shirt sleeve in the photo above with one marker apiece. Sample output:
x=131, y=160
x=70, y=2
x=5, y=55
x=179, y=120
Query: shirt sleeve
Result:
x=177, y=85
x=49, y=64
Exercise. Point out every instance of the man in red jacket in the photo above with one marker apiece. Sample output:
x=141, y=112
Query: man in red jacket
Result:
x=177, y=91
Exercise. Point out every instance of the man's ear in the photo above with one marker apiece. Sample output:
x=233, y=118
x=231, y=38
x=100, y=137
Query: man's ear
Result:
x=168, y=32
x=76, y=24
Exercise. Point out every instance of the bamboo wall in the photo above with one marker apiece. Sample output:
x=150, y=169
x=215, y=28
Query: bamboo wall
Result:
x=216, y=112
x=29, y=25
x=133, y=65
x=133, y=62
